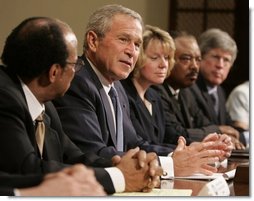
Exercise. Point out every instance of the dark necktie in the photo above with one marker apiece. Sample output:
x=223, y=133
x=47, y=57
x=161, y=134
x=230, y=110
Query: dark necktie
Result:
x=175, y=97
x=215, y=101
x=40, y=132
x=119, y=118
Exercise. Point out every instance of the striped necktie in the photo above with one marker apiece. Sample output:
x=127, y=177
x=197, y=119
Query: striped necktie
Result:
x=119, y=118
x=40, y=132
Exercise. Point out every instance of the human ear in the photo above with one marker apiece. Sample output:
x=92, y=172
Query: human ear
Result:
x=54, y=71
x=92, y=40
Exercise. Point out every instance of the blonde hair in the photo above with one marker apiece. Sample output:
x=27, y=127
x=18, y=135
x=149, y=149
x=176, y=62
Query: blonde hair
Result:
x=150, y=33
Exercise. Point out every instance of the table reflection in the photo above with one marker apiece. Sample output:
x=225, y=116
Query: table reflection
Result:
x=236, y=188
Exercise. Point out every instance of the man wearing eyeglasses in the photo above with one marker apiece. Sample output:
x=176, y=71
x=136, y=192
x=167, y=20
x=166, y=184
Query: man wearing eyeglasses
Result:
x=40, y=60
x=182, y=113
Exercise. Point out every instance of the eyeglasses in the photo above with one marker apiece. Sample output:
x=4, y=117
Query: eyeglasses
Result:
x=77, y=65
x=187, y=59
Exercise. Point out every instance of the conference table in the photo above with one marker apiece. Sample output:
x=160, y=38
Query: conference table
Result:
x=239, y=186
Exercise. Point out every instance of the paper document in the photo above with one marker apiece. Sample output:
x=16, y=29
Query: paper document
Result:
x=159, y=192
x=227, y=175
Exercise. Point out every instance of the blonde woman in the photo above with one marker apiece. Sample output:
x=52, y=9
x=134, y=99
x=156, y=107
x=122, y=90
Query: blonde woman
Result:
x=154, y=64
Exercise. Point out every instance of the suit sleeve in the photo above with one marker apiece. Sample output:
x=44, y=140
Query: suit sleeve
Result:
x=6, y=191
x=104, y=179
x=83, y=118
x=174, y=129
x=201, y=125
x=9, y=181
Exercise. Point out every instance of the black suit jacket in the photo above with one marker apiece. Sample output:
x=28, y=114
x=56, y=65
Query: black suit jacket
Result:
x=87, y=118
x=8, y=182
x=184, y=115
x=205, y=103
x=18, y=149
x=149, y=127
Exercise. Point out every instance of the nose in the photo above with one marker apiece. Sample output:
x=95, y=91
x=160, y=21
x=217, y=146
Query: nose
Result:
x=220, y=62
x=130, y=49
x=164, y=63
x=195, y=63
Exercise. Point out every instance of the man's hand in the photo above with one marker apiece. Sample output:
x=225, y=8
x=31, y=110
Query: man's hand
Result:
x=224, y=139
x=155, y=171
x=237, y=144
x=141, y=170
x=76, y=180
x=195, y=158
x=229, y=130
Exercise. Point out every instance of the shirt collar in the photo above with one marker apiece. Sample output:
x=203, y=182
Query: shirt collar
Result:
x=174, y=92
x=34, y=106
x=106, y=85
x=212, y=90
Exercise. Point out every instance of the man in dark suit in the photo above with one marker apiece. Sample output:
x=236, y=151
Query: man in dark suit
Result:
x=218, y=51
x=40, y=60
x=111, y=47
x=76, y=180
x=182, y=112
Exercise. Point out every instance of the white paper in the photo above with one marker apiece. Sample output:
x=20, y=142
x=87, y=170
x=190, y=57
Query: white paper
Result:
x=227, y=175
x=159, y=192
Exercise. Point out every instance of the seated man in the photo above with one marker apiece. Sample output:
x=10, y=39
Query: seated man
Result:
x=39, y=60
x=111, y=48
x=182, y=111
x=218, y=52
x=71, y=181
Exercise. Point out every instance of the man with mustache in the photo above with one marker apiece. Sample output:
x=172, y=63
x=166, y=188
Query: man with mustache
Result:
x=182, y=112
x=95, y=110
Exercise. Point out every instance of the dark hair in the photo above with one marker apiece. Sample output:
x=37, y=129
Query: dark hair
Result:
x=34, y=46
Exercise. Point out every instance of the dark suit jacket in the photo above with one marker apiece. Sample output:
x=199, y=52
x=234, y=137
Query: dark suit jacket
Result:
x=205, y=103
x=8, y=182
x=87, y=118
x=149, y=127
x=18, y=149
x=184, y=115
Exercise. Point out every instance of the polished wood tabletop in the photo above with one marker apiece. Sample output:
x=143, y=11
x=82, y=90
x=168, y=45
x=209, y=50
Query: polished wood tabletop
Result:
x=236, y=188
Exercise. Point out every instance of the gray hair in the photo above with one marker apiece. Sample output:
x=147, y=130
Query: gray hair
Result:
x=100, y=21
x=216, y=38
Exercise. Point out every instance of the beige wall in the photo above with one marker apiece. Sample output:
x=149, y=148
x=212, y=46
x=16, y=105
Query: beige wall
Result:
x=75, y=13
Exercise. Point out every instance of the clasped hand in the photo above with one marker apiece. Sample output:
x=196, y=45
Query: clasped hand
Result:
x=141, y=170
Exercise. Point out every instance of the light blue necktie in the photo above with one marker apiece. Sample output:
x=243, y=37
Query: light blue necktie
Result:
x=119, y=118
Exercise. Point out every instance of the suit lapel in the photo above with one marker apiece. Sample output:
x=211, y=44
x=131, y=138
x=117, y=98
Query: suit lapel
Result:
x=222, y=110
x=19, y=93
x=110, y=120
x=104, y=100
x=184, y=110
x=175, y=104
x=210, y=106
x=206, y=100
x=51, y=142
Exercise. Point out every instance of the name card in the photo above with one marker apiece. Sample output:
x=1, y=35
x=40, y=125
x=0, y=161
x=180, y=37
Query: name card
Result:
x=217, y=187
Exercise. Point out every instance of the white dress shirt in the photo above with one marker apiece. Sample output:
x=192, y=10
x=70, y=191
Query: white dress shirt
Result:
x=166, y=162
